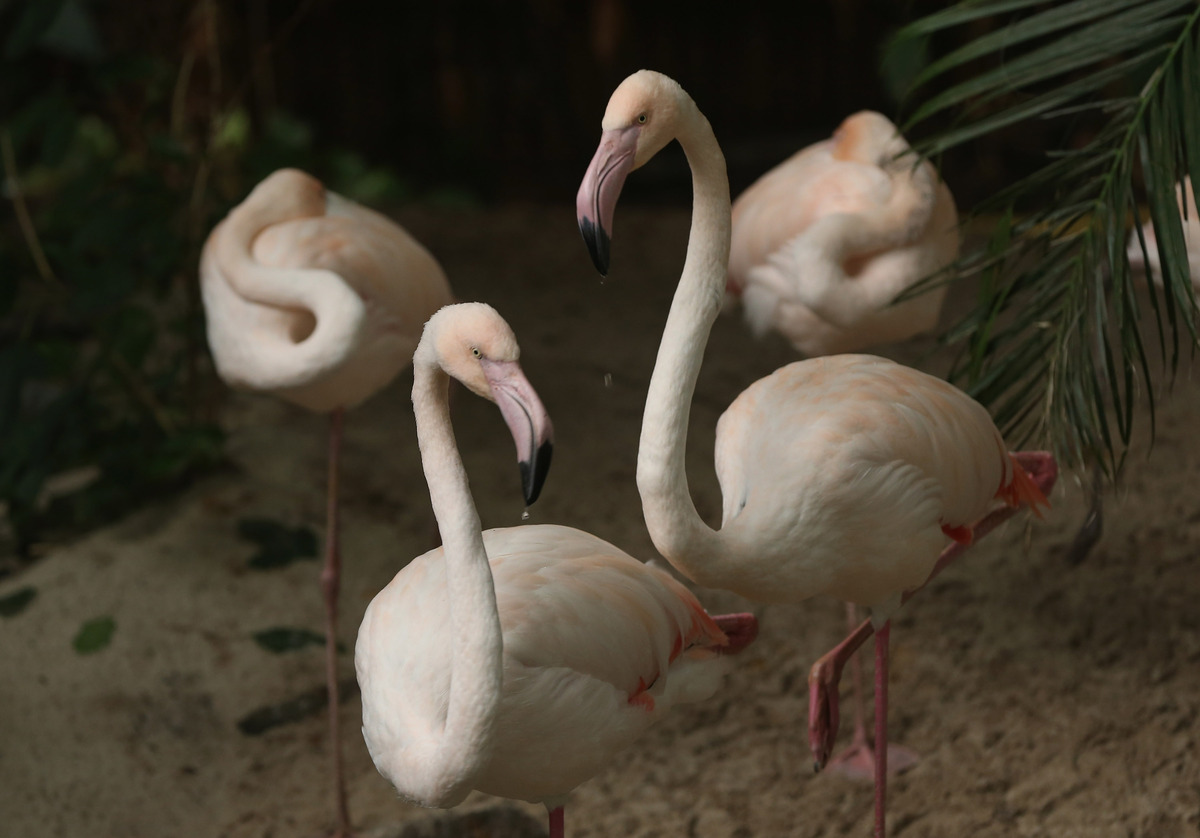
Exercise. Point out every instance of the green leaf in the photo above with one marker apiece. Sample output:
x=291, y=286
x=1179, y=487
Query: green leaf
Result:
x=280, y=640
x=94, y=635
x=17, y=601
x=278, y=545
x=1054, y=344
x=1098, y=43
x=1065, y=16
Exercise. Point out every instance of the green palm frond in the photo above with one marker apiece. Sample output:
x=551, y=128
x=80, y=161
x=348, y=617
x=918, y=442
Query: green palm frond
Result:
x=1054, y=345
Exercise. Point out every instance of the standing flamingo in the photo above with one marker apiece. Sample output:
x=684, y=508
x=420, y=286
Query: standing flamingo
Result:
x=864, y=174
x=842, y=475
x=518, y=661
x=823, y=243
x=319, y=300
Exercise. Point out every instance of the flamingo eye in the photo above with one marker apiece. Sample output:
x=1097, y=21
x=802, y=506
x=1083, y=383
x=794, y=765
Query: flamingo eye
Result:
x=475, y=351
x=641, y=119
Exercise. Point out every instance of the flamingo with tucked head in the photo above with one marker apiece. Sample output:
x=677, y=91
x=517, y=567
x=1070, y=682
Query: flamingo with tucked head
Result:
x=823, y=243
x=320, y=301
x=845, y=475
x=518, y=661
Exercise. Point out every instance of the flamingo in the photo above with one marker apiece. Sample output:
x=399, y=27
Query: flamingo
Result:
x=824, y=242
x=864, y=171
x=1191, y=239
x=518, y=661
x=320, y=301
x=844, y=475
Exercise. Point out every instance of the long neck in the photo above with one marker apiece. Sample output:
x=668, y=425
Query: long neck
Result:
x=281, y=358
x=671, y=517
x=476, y=656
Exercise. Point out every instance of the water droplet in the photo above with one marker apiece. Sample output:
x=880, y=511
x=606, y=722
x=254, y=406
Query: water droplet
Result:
x=608, y=379
x=525, y=515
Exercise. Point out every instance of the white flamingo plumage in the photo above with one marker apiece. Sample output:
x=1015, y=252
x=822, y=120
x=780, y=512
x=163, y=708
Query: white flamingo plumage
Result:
x=518, y=661
x=823, y=243
x=788, y=236
x=843, y=475
x=320, y=301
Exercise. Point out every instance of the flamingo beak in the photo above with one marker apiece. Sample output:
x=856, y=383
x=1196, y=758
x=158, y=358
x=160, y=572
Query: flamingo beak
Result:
x=527, y=419
x=597, y=197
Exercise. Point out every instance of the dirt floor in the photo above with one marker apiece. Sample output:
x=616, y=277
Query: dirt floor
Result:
x=1044, y=699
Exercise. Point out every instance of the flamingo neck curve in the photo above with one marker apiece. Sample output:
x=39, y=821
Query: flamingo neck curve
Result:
x=676, y=528
x=449, y=759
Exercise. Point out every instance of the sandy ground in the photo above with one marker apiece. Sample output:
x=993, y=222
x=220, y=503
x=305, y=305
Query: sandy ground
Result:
x=1045, y=699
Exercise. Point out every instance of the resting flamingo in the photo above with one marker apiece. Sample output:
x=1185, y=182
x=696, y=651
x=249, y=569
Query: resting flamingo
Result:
x=518, y=661
x=823, y=243
x=843, y=475
x=779, y=252
x=320, y=301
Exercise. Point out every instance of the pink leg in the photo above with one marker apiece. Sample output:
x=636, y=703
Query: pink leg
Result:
x=858, y=761
x=881, y=692
x=330, y=585
x=557, y=827
x=826, y=673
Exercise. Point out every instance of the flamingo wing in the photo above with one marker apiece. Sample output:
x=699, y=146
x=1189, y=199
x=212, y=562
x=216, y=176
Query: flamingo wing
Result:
x=570, y=600
x=864, y=461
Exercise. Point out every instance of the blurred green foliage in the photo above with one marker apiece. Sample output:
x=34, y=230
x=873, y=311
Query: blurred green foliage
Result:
x=278, y=545
x=100, y=359
x=94, y=635
x=117, y=162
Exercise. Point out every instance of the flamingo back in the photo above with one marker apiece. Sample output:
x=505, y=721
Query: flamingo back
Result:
x=861, y=460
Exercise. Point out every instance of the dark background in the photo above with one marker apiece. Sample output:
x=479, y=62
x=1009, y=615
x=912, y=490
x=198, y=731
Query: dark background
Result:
x=128, y=128
x=504, y=99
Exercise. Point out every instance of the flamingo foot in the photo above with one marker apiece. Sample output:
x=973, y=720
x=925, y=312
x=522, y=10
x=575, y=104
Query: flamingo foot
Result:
x=824, y=706
x=858, y=761
x=741, y=629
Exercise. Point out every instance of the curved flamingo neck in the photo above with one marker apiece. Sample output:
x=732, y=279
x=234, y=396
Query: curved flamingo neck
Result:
x=819, y=255
x=671, y=517
x=278, y=361
x=454, y=756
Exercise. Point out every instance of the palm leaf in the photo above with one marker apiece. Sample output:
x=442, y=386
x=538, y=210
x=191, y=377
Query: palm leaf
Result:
x=1054, y=345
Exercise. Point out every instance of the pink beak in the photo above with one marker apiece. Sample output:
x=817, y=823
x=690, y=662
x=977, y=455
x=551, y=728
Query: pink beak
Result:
x=527, y=419
x=601, y=186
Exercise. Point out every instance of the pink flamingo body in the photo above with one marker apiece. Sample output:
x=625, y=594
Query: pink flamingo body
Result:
x=320, y=301
x=518, y=661
x=822, y=244
x=843, y=475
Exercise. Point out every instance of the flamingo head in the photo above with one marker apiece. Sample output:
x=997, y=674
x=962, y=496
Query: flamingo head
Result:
x=642, y=117
x=472, y=343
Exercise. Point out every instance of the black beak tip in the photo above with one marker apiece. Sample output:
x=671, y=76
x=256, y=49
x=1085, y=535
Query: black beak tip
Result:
x=534, y=471
x=597, y=243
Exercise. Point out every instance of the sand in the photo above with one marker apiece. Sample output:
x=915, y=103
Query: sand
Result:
x=1044, y=699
